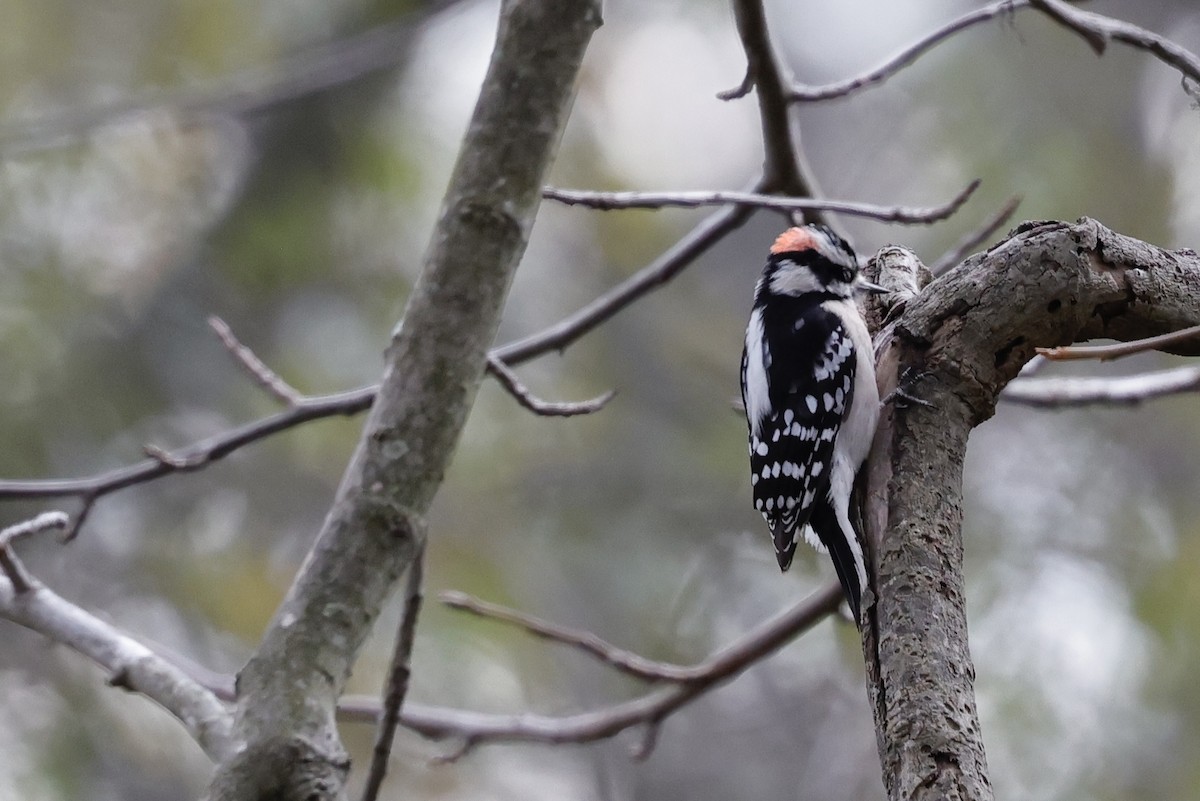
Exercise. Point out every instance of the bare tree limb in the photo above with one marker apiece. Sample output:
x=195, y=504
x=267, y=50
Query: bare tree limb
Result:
x=966, y=339
x=508, y=379
x=1098, y=30
x=1118, y=350
x=397, y=682
x=1130, y=390
x=907, y=56
x=606, y=201
x=130, y=664
x=289, y=748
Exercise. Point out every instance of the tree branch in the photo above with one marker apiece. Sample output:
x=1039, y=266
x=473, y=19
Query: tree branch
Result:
x=907, y=56
x=1106, y=353
x=475, y=728
x=130, y=664
x=784, y=170
x=255, y=367
x=397, y=683
x=288, y=691
x=654, y=275
x=1130, y=390
x=508, y=379
x=1098, y=30
x=966, y=338
x=606, y=201
x=619, y=659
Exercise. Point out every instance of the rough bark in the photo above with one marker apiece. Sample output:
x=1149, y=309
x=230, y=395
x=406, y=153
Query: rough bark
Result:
x=955, y=345
x=288, y=742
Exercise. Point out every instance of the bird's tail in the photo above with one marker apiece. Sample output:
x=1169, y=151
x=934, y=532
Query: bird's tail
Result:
x=825, y=523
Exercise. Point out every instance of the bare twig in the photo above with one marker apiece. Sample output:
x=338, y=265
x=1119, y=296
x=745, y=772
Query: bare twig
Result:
x=618, y=658
x=474, y=728
x=1116, y=350
x=508, y=379
x=655, y=274
x=264, y=376
x=194, y=456
x=160, y=462
x=397, y=682
x=606, y=201
x=644, y=747
x=906, y=56
x=17, y=575
x=1057, y=393
x=46, y=521
x=741, y=90
x=973, y=239
x=1098, y=30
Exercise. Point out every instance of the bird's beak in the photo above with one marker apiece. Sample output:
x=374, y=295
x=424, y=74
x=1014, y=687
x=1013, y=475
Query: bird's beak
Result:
x=867, y=286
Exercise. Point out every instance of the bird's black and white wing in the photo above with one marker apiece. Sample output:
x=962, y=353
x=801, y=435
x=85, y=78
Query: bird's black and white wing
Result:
x=794, y=421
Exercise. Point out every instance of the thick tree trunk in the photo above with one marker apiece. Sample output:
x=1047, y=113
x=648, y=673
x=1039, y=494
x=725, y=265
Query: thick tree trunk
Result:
x=288, y=742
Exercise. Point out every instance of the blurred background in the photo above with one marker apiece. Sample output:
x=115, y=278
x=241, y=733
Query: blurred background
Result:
x=280, y=163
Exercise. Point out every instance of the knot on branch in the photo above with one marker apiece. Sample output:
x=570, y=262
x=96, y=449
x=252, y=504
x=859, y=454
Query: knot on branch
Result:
x=284, y=768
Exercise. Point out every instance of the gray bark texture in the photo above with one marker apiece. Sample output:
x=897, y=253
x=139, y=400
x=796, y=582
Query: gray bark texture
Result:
x=287, y=741
x=955, y=345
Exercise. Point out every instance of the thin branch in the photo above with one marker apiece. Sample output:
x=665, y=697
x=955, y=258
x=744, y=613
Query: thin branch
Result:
x=160, y=462
x=20, y=579
x=1131, y=390
x=264, y=376
x=973, y=239
x=398, y=678
x=712, y=229
x=192, y=457
x=741, y=90
x=130, y=664
x=784, y=168
x=474, y=728
x=508, y=379
x=618, y=658
x=906, y=56
x=1098, y=30
x=606, y=201
x=1117, y=350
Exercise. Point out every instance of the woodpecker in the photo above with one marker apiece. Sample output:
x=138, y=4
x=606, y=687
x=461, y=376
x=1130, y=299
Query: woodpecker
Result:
x=808, y=387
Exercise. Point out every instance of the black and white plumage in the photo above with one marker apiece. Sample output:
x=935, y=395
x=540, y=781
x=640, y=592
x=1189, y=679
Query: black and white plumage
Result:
x=808, y=385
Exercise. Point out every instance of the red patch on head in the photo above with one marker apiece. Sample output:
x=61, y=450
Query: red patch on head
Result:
x=794, y=240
